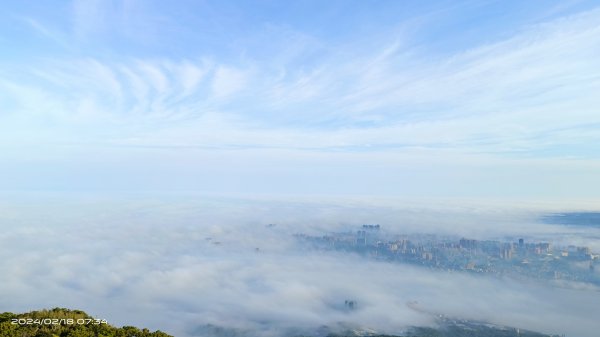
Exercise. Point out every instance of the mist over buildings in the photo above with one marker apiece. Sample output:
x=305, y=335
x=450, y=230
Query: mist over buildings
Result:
x=182, y=264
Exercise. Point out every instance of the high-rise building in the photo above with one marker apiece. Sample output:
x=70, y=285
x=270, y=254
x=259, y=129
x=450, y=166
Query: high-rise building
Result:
x=507, y=253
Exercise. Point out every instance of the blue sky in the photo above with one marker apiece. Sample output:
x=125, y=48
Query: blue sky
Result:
x=404, y=98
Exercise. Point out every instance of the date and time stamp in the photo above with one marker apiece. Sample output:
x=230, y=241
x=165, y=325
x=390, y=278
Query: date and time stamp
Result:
x=58, y=321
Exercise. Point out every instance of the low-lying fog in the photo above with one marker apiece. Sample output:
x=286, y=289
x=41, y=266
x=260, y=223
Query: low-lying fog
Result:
x=180, y=263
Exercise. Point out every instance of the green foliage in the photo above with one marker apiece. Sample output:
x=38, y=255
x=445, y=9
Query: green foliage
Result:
x=6, y=316
x=38, y=329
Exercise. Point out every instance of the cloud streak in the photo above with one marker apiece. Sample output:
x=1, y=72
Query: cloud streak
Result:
x=508, y=97
x=381, y=108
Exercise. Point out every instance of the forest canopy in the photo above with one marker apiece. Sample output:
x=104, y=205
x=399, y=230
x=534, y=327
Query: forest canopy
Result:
x=62, y=322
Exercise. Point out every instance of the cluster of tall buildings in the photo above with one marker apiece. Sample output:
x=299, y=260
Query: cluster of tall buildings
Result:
x=535, y=259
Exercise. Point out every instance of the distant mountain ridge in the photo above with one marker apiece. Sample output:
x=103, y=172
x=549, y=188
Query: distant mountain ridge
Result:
x=584, y=219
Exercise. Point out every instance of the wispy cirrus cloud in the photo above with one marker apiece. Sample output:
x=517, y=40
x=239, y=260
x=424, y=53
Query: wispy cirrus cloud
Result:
x=512, y=91
x=529, y=95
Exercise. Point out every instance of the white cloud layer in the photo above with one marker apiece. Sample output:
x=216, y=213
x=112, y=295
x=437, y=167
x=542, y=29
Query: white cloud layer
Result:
x=146, y=261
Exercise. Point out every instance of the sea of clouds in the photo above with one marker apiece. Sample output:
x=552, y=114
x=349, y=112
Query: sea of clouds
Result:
x=186, y=264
